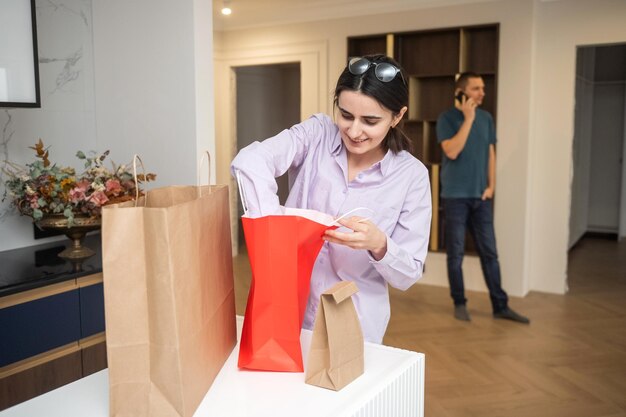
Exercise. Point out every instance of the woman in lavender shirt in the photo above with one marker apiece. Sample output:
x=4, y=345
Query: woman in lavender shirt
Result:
x=359, y=159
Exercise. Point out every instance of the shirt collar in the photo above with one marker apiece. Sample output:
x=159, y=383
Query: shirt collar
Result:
x=385, y=164
x=336, y=144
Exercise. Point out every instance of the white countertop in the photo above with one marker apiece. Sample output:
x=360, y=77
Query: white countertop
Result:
x=393, y=384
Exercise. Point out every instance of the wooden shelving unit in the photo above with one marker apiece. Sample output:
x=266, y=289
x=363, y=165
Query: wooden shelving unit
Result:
x=431, y=60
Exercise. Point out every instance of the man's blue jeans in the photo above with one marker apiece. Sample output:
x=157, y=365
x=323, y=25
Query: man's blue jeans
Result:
x=477, y=216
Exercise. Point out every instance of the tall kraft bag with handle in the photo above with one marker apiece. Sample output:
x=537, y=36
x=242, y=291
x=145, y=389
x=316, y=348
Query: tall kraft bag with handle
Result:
x=282, y=251
x=169, y=300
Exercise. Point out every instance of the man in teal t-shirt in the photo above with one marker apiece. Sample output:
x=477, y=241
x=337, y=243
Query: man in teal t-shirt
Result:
x=468, y=176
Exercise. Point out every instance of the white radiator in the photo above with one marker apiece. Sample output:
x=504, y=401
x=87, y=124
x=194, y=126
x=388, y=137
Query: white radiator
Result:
x=398, y=394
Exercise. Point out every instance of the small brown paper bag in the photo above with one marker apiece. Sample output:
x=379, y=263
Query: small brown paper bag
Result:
x=336, y=355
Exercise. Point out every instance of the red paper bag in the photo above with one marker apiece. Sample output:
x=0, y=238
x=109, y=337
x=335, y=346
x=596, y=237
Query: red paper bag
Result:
x=282, y=250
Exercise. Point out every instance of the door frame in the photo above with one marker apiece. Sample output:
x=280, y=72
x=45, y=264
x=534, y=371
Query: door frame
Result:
x=581, y=146
x=622, y=209
x=314, y=97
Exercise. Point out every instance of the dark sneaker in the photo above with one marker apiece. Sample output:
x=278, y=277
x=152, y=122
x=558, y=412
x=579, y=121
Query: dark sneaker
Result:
x=509, y=314
x=460, y=313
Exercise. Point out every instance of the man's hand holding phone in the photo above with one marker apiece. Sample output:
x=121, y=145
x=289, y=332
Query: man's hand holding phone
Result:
x=466, y=104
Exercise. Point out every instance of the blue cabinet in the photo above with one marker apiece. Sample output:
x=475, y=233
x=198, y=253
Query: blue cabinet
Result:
x=37, y=326
x=91, y=310
x=40, y=325
x=51, y=320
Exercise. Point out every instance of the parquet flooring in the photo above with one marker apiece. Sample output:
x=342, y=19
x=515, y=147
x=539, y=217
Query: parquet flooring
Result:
x=570, y=361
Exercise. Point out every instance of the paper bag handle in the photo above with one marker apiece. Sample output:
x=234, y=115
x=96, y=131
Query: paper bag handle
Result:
x=244, y=203
x=242, y=194
x=208, y=157
x=135, y=159
x=336, y=222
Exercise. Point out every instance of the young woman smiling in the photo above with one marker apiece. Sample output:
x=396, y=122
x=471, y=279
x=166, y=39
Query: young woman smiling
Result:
x=361, y=159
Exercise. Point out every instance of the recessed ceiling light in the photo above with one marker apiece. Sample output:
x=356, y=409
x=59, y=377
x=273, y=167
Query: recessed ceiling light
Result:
x=226, y=10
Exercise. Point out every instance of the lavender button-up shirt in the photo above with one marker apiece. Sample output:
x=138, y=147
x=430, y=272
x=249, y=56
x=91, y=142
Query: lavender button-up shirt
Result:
x=396, y=189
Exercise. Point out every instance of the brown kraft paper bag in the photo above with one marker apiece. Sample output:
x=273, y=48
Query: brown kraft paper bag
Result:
x=336, y=354
x=169, y=298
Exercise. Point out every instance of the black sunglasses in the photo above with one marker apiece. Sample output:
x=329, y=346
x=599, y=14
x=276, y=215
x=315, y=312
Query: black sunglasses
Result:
x=384, y=71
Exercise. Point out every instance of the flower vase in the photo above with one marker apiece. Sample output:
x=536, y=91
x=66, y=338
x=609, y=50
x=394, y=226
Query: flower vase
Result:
x=76, y=232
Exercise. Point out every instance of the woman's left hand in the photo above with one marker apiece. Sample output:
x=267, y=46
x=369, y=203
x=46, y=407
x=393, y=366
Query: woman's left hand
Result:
x=365, y=235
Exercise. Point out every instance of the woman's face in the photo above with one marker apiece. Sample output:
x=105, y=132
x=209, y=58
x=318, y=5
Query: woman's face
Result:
x=363, y=123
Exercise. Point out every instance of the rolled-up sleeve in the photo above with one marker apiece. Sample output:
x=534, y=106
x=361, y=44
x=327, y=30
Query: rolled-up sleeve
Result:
x=260, y=163
x=407, y=246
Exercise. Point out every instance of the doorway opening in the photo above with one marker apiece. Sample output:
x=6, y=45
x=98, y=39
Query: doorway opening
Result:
x=598, y=203
x=267, y=102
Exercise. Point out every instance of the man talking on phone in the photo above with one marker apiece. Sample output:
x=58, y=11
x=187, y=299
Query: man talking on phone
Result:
x=468, y=178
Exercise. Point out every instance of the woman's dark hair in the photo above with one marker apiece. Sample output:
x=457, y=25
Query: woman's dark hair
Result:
x=393, y=95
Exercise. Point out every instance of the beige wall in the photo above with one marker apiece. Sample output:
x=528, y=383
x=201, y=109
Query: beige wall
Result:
x=535, y=115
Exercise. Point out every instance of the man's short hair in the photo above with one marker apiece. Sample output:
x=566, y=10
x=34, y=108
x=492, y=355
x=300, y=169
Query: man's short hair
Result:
x=463, y=78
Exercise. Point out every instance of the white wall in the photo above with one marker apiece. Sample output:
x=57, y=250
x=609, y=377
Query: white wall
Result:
x=559, y=27
x=66, y=120
x=139, y=80
x=154, y=83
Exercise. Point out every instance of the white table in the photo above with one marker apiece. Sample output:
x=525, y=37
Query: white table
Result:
x=392, y=385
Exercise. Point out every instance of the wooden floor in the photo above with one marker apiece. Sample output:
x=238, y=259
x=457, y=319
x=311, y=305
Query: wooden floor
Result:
x=570, y=361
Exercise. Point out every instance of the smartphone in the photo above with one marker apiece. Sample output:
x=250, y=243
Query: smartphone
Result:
x=460, y=96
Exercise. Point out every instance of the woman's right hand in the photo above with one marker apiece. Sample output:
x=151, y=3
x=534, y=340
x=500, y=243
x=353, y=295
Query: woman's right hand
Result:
x=365, y=235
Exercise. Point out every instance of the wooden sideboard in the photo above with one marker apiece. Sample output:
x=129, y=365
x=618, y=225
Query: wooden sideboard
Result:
x=51, y=320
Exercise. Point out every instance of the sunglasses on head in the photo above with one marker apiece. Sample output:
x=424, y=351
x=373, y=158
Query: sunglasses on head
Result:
x=384, y=71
